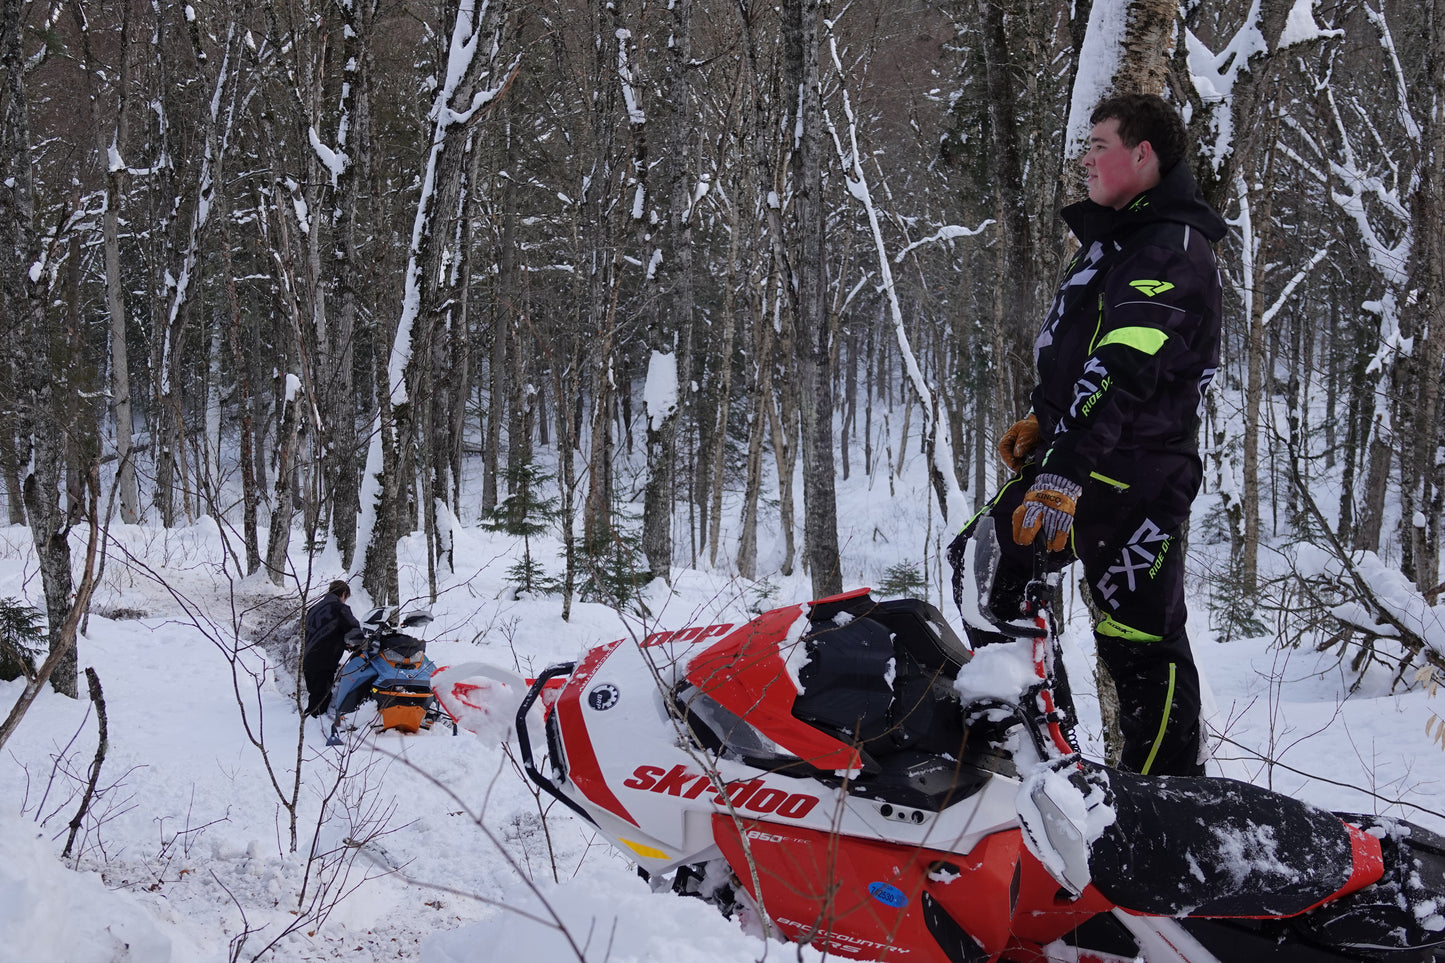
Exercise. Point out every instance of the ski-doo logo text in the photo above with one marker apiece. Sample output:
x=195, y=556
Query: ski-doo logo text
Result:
x=750, y=794
x=693, y=633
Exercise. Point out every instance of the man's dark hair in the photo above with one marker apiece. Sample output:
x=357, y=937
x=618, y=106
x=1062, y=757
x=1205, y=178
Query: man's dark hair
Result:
x=339, y=589
x=1148, y=117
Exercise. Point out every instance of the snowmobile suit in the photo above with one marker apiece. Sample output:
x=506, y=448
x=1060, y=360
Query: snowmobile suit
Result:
x=327, y=623
x=1124, y=357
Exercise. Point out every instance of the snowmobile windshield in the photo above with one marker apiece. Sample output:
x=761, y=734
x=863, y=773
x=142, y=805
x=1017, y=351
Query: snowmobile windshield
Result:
x=398, y=649
x=717, y=729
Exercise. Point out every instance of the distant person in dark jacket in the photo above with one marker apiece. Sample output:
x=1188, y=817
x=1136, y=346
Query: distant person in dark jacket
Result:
x=327, y=623
x=1107, y=461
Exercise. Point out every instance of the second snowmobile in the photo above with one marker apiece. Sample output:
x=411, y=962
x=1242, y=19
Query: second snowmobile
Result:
x=390, y=667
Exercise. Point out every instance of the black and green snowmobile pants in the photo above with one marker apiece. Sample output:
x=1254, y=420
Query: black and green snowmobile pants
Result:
x=1133, y=558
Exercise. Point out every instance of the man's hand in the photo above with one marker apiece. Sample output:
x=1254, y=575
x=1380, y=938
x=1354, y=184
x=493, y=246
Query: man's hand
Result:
x=1018, y=441
x=1048, y=507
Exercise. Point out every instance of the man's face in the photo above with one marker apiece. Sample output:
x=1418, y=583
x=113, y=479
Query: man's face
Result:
x=1117, y=173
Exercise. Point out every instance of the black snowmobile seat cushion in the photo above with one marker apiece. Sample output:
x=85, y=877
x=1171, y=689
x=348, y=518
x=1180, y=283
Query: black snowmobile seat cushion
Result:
x=862, y=685
x=922, y=631
x=847, y=680
x=1216, y=847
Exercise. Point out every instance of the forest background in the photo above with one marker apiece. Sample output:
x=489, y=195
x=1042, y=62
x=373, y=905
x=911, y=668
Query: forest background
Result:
x=285, y=267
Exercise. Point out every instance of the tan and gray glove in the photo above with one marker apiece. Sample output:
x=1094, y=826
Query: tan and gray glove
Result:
x=1048, y=508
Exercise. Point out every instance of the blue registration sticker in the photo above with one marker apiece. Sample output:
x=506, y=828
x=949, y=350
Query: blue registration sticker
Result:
x=887, y=894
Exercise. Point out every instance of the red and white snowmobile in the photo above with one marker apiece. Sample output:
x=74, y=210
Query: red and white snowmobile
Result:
x=822, y=766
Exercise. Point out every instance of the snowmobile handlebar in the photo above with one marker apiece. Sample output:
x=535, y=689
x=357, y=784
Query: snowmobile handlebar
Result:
x=524, y=741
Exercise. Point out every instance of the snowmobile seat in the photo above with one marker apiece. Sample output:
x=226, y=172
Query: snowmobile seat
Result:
x=921, y=630
x=1404, y=905
x=863, y=685
x=1216, y=847
x=403, y=651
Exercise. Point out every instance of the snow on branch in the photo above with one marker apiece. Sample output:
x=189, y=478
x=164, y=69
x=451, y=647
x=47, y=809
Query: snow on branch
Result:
x=636, y=116
x=1098, y=62
x=935, y=414
x=942, y=234
x=1300, y=26
x=1364, y=594
x=335, y=161
x=1294, y=282
x=1402, y=89
x=1215, y=75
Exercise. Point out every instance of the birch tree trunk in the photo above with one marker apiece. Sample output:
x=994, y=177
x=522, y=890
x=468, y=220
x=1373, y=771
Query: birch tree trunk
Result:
x=472, y=62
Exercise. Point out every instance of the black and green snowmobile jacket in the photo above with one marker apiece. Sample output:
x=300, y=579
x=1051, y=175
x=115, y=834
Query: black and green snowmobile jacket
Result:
x=1132, y=339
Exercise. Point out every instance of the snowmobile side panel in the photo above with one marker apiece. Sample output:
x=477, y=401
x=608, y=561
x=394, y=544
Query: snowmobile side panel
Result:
x=951, y=938
x=1043, y=911
x=864, y=899
x=352, y=685
x=583, y=769
x=979, y=889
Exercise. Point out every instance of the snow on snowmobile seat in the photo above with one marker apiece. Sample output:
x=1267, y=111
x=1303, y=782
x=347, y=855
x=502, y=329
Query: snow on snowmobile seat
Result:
x=1174, y=838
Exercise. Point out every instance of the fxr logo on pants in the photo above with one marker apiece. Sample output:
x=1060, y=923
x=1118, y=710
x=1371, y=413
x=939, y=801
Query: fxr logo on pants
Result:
x=1136, y=556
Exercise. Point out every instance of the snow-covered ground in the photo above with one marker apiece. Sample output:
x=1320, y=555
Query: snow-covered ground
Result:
x=435, y=848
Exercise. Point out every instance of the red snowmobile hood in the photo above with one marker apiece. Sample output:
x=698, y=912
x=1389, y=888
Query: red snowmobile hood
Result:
x=746, y=673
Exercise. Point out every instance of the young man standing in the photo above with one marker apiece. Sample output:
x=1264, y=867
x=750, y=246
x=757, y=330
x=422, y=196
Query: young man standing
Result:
x=327, y=623
x=1107, y=462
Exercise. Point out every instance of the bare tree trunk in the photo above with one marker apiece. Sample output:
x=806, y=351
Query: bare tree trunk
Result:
x=811, y=316
x=1420, y=491
x=283, y=505
x=502, y=311
x=783, y=423
x=761, y=390
x=240, y=357
x=112, y=151
x=477, y=37
x=668, y=253
x=26, y=293
x=341, y=443
x=1379, y=455
x=717, y=466
x=1258, y=235
x=62, y=649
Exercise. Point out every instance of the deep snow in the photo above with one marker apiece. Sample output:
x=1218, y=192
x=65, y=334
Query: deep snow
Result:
x=434, y=849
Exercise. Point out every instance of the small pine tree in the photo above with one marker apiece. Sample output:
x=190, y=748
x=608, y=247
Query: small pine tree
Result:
x=614, y=569
x=901, y=580
x=22, y=639
x=526, y=513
